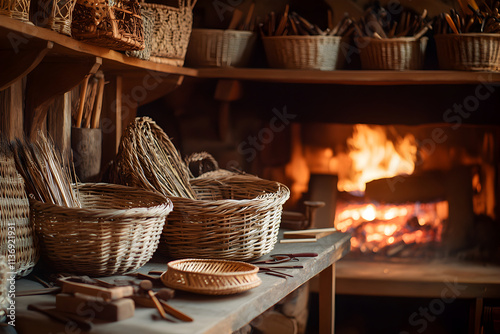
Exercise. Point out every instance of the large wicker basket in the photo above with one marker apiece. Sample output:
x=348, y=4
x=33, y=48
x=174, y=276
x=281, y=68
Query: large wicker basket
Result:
x=469, y=52
x=304, y=52
x=116, y=231
x=399, y=54
x=235, y=218
x=16, y=9
x=220, y=48
x=171, y=31
x=115, y=25
x=19, y=248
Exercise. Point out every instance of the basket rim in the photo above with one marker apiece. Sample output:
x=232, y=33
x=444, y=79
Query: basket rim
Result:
x=253, y=269
x=223, y=31
x=301, y=37
x=393, y=40
x=167, y=204
x=470, y=34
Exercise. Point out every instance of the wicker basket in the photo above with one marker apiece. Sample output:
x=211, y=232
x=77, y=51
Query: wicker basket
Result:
x=304, y=52
x=116, y=231
x=235, y=218
x=115, y=25
x=14, y=216
x=172, y=28
x=469, y=52
x=147, y=23
x=220, y=48
x=15, y=9
x=55, y=14
x=399, y=54
x=211, y=277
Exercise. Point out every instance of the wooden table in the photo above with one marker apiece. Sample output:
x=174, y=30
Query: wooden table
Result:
x=212, y=314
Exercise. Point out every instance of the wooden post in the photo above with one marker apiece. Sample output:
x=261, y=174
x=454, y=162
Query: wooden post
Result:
x=59, y=124
x=111, y=119
x=327, y=300
x=12, y=111
x=323, y=188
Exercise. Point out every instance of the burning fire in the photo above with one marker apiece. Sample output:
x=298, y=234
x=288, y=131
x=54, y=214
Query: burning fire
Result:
x=391, y=227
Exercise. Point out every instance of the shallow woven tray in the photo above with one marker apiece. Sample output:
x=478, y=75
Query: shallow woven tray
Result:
x=399, y=54
x=469, y=52
x=220, y=48
x=116, y=231
x=211, y=277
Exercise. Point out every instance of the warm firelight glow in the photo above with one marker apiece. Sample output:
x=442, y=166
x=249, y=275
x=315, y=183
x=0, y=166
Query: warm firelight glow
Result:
x=390, y=227
x=373, y=156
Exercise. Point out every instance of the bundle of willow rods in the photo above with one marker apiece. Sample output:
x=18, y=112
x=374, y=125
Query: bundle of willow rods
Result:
x=392, y=22
x=44, y=173
x=291, y=24
x=471, y=18
x=148, y=159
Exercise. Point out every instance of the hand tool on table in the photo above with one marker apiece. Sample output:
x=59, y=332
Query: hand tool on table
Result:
x=107, y=294
x=281, y=258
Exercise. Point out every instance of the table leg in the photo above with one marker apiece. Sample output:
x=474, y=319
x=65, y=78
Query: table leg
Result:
x=327, y=300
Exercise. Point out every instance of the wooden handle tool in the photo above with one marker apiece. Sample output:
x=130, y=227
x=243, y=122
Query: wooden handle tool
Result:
x=235, y=20
x=451, y=23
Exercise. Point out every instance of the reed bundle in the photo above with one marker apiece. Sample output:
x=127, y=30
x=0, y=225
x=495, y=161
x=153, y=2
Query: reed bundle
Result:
x=471, y=18
x=87, y=108
x=44, y=172
x=392, y=22
x=148, y=159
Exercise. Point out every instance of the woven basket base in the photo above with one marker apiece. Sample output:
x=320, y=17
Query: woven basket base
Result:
x=167, y=61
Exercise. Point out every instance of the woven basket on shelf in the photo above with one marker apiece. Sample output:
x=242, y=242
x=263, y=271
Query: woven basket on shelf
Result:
x=236, y=217
x=116, y=230
x=211, y=277
x=14, y=217
x=171, y=31
x=220, y=48
x=147, y=23
x=15, y=9
x=304, y=52
x=115, y=25
x=403, y=53
x=469, y=52
x=55, y=14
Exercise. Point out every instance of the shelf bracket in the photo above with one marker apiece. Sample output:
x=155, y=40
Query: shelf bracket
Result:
x=49, y=80
x=18, y=63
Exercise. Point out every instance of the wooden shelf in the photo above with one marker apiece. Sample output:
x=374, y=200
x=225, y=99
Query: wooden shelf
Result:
x=356, y=77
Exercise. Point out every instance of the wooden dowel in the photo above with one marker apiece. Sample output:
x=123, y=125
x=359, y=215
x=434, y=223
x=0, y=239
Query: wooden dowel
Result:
x=96, y=117
x=83, y=92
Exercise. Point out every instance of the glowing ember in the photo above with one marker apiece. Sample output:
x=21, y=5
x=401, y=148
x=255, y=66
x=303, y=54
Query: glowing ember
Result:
x=375, y=228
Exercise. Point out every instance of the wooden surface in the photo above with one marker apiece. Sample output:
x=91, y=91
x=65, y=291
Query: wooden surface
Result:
x=425, y=279
x=212, y=314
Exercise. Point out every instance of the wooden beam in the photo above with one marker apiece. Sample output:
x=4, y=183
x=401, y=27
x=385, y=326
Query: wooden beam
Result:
x=111, y=119
x=50, y=79
x=11, y=124
x=17, y=63
x=327, y=300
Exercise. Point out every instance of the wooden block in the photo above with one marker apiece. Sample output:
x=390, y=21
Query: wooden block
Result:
x=84, y=305
x=291, y=241
x=97, y=291
x=316, y=233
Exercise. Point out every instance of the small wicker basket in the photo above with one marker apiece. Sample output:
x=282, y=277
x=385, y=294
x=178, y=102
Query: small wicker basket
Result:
x=468, y=52
x=116, y=231
x=15, y=9
x=236, y=217
x=220, y=48
x=399, y=54
x=55, y=14
x=115, y=25
x=171, y=30
x=14, y=216
x=211, y=277
x=304, y=52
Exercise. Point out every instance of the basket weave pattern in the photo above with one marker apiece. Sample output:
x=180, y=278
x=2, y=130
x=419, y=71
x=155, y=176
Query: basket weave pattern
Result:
x=473, y=52
x=171, y=31
x=14, y=212
x=234, y=218
x=116, y=231
x=15, y=9
x=220, y=48
x=303, y=52
x=211, y=277
x=405, y=53
x=118, y=26
x=56, y=15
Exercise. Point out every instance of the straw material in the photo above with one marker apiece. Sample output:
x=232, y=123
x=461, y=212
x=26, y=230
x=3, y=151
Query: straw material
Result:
x=116, y=230
x=403, y=53
x=55, y=14
x=303, y=52
x=236, y=218
x=171, y=31
x=211, y=277
x=14, y=217
x=220, y=48
x=147, y=23
x=469, y=52
x=15, y=9
x=115, y=25
x=148, y=159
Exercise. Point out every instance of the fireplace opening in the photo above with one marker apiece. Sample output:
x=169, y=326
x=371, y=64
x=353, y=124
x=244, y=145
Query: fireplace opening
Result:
x=406, y=192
